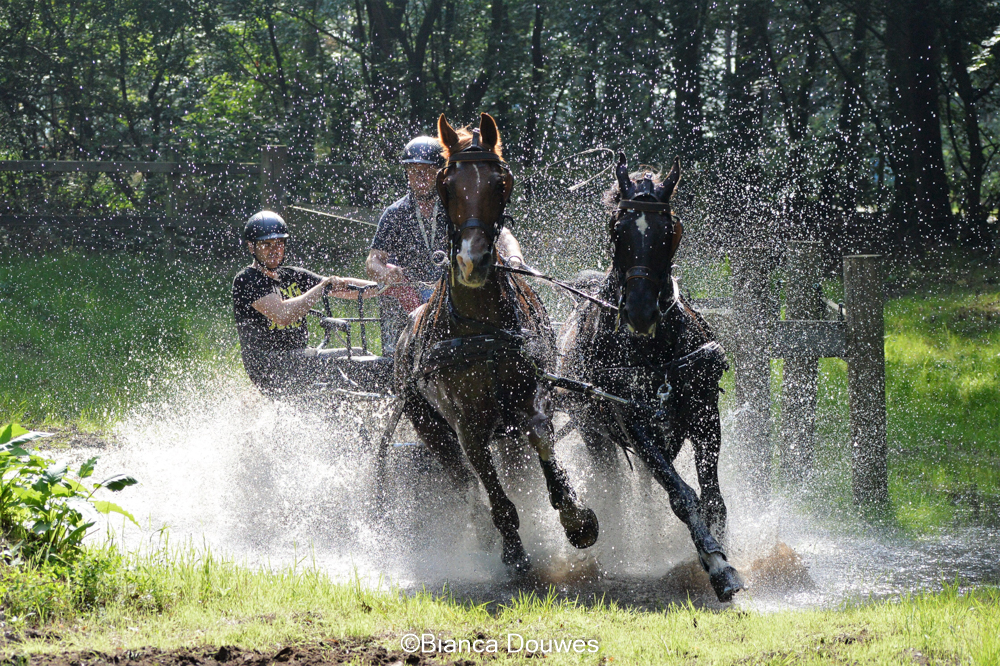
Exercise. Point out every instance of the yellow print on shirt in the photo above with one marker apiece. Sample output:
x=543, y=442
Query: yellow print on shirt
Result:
x=291, y=291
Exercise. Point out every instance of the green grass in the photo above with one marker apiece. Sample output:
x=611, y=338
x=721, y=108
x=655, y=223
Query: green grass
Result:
x=186, y=597
x=942, y=399
x=85, y=337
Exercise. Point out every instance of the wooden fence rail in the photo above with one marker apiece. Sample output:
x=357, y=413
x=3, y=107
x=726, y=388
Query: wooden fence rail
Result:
x=171, y=168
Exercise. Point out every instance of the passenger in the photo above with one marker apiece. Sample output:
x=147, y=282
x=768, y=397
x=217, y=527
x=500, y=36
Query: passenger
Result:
x=270, y=302
x=409, y=232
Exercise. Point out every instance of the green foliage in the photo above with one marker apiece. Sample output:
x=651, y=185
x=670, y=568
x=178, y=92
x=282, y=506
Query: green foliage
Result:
x=42, y=503
x=34, y=595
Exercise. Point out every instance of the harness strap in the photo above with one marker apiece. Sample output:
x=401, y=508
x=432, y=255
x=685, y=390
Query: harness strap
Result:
x=644, y=206
x=468, y=350
x=642, y=273
x=480, y=155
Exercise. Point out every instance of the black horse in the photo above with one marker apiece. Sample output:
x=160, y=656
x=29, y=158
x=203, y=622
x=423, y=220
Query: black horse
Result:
x=466, y=365
x=661, y=355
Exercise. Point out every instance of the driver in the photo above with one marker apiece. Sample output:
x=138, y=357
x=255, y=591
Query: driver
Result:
x=270, y=302
x=409, y=232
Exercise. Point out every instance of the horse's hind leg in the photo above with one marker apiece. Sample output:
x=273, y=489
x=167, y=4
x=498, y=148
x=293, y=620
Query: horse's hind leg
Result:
x=439, y=438
x=502, y=510
x=579, y=522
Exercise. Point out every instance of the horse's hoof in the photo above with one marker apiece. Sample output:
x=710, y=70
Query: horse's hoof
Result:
x=514, y=557
x=581, y=527
x=726, y=582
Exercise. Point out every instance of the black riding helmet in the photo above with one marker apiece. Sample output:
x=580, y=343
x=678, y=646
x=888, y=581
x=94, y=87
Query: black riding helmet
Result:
x=265, y=225
x=423, y=150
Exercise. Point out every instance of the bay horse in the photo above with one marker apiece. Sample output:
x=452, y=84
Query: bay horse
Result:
x=466, y=366
x=661, y=355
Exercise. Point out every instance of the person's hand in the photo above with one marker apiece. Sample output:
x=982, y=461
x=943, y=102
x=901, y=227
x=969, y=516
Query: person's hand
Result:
x=334, y=283
x=394, y=274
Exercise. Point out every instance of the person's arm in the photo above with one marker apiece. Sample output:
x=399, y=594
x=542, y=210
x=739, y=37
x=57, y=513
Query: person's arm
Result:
x=339, y=287
x=510, y=249
x=284, y=312
x=379, y=269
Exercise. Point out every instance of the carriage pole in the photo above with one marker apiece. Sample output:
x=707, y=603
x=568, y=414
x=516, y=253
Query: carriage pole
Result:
x=863, y=301
x=272, y=177
x=753, y=311
x=800, y=373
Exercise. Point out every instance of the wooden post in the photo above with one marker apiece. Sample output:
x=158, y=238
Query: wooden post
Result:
x=863, y=300
x=753, y=310
x=272, y=177
x=799, y=378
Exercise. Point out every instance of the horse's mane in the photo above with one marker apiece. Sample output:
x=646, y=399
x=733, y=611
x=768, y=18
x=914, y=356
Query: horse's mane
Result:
x=465, y=140
x=613, y=195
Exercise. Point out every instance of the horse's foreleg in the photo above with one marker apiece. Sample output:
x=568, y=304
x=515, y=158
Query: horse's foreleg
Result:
x=706, y=436
x=502, y=510
x=684, y=503
x=579, y=522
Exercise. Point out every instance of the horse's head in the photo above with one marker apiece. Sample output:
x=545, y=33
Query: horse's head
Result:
x=644, y=238
x=474, y=187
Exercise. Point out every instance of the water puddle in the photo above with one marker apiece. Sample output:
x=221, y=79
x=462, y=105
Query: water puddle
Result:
x=272, y=484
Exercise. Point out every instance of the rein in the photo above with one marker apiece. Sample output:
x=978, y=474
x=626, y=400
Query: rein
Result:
x=559, y=283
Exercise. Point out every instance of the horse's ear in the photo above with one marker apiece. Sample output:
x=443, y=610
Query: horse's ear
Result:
x=488, y=132
x=675, y=241
x=625, y=184
x=667, y=188
x=446, y=134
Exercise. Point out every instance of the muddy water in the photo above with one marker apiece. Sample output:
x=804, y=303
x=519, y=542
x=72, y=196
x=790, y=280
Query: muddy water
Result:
x=271, y=484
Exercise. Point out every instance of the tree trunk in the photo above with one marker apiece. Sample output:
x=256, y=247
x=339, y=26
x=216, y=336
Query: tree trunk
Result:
x=382, y=37
x=921, y=211
x=535, y=89
x=415, y=61
x=839, y=192
x=975, y=230
x=687, y=19
x=745, y=210
x=491, y=60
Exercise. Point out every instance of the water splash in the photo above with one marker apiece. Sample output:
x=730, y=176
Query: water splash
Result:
x=272, y=483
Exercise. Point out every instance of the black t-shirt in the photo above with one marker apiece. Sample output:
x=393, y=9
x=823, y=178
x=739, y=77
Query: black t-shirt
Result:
x=399, y=236
x=262, y=341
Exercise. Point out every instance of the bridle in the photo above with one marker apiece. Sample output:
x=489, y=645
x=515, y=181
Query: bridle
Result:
x=640, y=272
x=473, y=153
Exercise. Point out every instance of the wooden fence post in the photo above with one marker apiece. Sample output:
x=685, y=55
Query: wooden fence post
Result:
x=753, y=312
x=800, y=374
x=272, y=177
x=863, y=301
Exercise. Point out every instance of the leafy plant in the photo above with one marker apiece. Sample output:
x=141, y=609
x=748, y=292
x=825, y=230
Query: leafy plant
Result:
x=43, y=503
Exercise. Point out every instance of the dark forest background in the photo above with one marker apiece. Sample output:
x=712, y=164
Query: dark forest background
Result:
x=794, y=118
